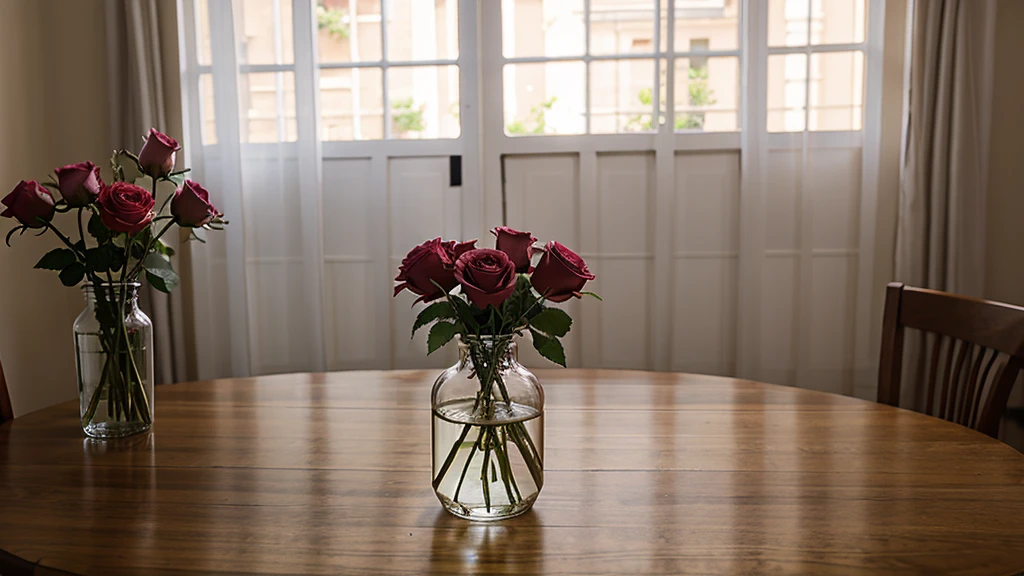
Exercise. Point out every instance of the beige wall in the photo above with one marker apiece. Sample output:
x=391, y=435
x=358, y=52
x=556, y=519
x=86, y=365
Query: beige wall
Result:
x=53, y=111
x=1004, y=268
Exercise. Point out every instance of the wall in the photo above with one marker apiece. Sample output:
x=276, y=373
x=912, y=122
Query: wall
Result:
x=53, y=111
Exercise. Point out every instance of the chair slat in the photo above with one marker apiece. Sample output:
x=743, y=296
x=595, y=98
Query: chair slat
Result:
x=982, y=384
x=939, y=340
x=963, y=415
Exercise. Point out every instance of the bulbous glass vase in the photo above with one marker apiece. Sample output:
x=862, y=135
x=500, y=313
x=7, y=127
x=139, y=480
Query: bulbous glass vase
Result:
x=488, y=432
x=114, y=349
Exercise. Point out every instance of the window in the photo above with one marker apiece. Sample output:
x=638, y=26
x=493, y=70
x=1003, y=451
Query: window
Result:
x=602, y=66
x=388, y=70
x=816, y=65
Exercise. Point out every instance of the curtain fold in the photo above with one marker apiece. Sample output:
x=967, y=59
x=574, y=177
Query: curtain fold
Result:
x=940, y=239
x=135, y=45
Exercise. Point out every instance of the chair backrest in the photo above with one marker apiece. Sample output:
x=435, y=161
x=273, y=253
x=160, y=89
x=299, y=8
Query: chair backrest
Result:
x=6, y=412
x=971, y=353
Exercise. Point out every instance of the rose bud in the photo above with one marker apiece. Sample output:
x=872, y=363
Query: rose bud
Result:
x=28, y=202
x=126, y=207
x=157, y=154
x=560, y=274
x=517, y=245
x=487, y=276
x=191, y=206
x=80, y=183
x=427, y=262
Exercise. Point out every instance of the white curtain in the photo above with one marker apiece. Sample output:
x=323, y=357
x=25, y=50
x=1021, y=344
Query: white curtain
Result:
x=258, y=295
x=940, y=240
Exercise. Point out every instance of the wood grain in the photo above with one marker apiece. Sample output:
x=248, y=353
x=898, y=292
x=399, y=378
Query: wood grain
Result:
x=646, y=473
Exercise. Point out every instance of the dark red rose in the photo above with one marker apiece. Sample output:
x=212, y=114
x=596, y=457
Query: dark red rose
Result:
x=487, y=276
x=126, y=207
x=191, y=205
x=80, y=183
x=518, y=245
x=426, y=262
x=28, y=202
x=456, y=249
x=157, y=154
x=560, y=274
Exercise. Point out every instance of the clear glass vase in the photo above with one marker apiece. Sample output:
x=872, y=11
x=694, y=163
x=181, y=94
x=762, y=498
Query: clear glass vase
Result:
x=114, y=349
x=488, y=432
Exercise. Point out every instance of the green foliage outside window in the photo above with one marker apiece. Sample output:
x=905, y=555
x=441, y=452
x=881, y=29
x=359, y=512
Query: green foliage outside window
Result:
x=334, y=20
x=536, y=119
x=700, y=95
x=406, y=117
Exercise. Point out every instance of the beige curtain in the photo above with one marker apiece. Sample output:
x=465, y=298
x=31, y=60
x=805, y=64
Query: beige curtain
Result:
x=140, y=38
x=940, y=240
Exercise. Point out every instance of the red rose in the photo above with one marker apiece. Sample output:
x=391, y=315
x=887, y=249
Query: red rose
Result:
x=456, y=249
x=560, y=274
x=517, y=245
x=426, y=262
x=80, y=183
x=157, y=154
x=487, y=276
x=28, y=202
x=191, y=205
x=126, y=207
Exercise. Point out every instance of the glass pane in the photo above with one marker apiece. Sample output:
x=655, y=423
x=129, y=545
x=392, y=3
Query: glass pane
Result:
x=266, y=32
x=424, y=102
x=546, y=98
x=542, y=28
x=621, y=96
x=707, y=94
x=622, y=27
x=351, y=106
x=207, y=119
x=837, y=91
x=787, y=92
x=787, y=22
x=838, y=21
x=422, y=30
x=202, y=14
x=707, y=25
x=267, y=107
x=348, y=30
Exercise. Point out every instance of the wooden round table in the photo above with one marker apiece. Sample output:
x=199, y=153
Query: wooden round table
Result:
x=646, y=473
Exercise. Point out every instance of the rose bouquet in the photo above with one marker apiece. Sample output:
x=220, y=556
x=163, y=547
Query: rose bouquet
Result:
x=118, y=241
x=488, y=400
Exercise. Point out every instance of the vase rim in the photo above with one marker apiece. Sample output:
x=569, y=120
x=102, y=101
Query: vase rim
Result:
x=90, y=286
x=485, y=337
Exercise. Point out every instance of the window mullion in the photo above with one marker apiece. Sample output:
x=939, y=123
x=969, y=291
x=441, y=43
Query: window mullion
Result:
x=384, y=70
x=586, y=66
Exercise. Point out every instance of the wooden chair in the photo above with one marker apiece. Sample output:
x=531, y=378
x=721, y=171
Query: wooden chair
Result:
x=972, y=352
x=6, y=412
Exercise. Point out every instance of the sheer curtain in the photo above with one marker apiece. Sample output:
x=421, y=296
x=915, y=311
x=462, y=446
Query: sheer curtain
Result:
x=258, y=295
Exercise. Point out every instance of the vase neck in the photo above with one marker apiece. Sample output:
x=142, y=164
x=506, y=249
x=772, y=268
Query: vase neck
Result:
x=124, y=293
x=488, y=348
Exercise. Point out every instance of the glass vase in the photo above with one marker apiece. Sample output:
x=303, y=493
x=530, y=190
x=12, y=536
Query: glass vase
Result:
x=488, y=432
x=114, y=349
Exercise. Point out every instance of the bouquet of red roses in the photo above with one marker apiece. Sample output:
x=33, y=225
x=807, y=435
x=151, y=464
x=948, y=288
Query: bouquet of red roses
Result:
x=488, y=409
x=118, y=241
x=500, y=291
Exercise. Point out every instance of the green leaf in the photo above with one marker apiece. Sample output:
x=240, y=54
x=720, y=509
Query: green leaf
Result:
x=159, y=272
x=103, y=258
x=163, y=248
x=592, y=294
x=465, y=313
x=435, y=311
x=177, y=179
x=553, y=321
x=98, y=230
x=548, y=347
x=73, y=274
x=440, y=334
x=57, y=259
x=129, y=166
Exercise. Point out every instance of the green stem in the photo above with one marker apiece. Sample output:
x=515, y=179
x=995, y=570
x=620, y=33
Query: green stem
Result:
x=465, y=468
x=483, y=470
x=451, y=456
